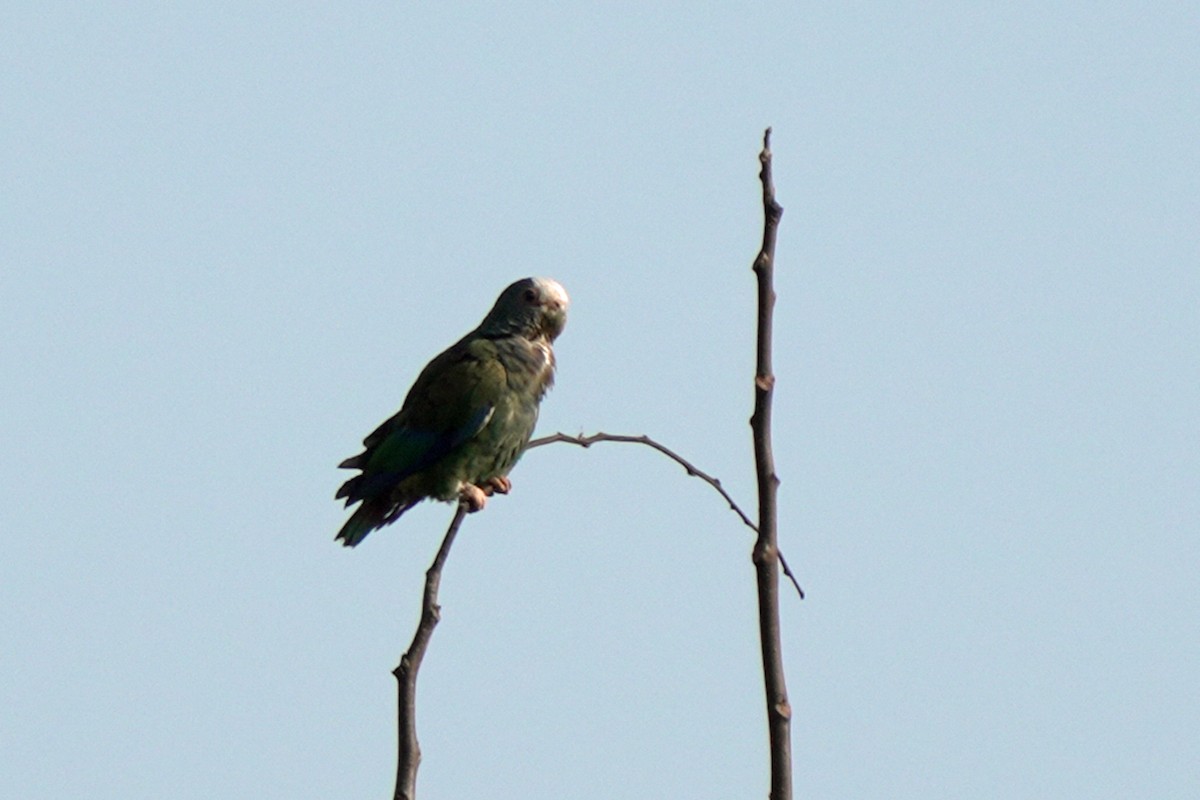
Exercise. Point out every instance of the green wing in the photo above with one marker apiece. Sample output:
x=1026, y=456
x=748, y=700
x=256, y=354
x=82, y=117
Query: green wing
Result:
x=452, y=400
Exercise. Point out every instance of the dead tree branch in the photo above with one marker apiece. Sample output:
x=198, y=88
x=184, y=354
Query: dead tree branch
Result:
x=409, y=750
x=766, y=549
x=587, y=441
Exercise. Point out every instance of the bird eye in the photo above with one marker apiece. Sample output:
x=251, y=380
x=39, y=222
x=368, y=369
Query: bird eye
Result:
x=530, y=295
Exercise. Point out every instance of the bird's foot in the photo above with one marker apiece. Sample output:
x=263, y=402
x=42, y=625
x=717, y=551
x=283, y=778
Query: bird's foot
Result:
x=472, y=497
x=497, y=485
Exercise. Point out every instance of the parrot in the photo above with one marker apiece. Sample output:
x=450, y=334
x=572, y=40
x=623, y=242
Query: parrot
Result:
x=468, y=417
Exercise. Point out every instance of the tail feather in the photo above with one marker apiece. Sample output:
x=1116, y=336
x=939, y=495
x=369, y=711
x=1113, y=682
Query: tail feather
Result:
x=370, y=515
x=365, y=519
x=353, y=462
x=348, y=490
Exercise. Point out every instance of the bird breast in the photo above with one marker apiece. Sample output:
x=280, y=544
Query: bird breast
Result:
x=530, y=365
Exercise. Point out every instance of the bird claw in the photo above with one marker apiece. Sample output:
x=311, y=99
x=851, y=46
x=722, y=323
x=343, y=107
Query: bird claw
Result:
x=472, y=497
x=475, y=497
x=497, y=485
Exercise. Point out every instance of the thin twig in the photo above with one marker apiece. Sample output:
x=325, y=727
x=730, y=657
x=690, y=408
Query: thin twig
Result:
x=587, y=441
x=766, y=549
x=409, y=750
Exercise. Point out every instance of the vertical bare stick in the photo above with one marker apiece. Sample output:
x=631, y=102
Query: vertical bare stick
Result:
x=766, y=548
x=409, y=751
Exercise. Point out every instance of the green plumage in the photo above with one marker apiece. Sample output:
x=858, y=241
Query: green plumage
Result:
x=468, y=417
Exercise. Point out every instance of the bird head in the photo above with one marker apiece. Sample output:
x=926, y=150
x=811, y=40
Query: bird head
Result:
x=531, y=307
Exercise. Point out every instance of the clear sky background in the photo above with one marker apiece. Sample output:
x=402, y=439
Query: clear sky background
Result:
x=231, y=234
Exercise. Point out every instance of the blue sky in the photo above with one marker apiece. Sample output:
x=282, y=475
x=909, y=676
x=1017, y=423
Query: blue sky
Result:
x=230, y=236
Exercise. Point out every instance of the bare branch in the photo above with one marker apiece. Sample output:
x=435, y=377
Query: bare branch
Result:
x=409, y=750
x=587, y=441
x=788, y=571
x=692, y=469
x=766, y=549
